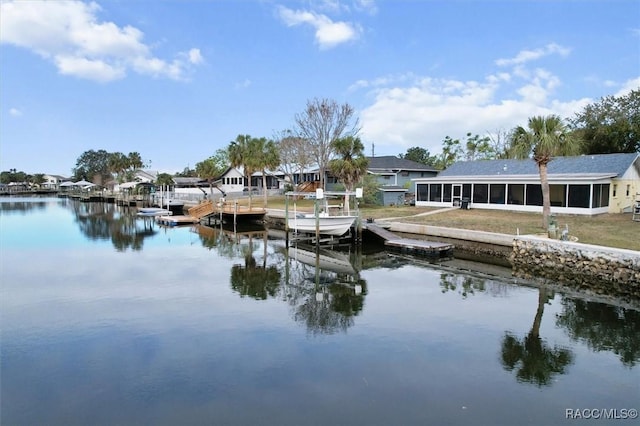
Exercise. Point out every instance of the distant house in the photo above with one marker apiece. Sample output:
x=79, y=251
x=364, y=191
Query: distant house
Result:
x=394, y=175
x=53, y=181
x=232, y=180
x=589, y=184
x=394, y=171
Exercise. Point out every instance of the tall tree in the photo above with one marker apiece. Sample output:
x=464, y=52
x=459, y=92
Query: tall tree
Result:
x=295, y=154
x=545, y=138
x=93, y=166
x=135, y=160
x=452, y=151
x=164, y=179
x=322, y=122
x=241, y=154
x=610, y=125
x=38, y=179
x=351, y=163
x=118, y=164
x=266, y=157
x=479, y=148
x=212, y=168
x=420, y=155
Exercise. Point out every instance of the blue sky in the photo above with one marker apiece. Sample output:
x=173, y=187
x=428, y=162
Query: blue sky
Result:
x=177, y=80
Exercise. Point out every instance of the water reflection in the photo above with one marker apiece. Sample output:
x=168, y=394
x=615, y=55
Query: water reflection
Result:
x=104, y=221
x=324, y=288
x=603, y=328
x=533, y=359
x=243, y=331
x=23, y=205
x=465, y=285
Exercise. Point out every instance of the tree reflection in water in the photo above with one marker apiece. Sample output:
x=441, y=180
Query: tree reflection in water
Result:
x=323, y=287
x=104, y=221
x=465, y=285
x=530, y=356
x=603, y=328
x=533, y=359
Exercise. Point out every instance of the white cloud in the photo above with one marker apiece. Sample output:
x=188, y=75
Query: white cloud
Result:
x=367, y=5
x=15, y=112
x=628, y=86
x=525, y=56
x=422, y=111
x=195, y=57
x=328, y=33
x=72, y=37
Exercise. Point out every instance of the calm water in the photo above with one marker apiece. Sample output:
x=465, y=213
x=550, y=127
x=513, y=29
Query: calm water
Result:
x=108, y=319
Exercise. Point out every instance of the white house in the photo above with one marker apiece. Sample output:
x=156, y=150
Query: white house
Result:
x=588, y=184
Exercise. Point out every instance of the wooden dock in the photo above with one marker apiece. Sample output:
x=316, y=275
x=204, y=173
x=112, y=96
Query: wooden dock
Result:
x=171, y=220
x=228, y=212
x=411, y=246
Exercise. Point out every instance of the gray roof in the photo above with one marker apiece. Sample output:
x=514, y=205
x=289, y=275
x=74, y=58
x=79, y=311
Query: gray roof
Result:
x=616, y=164
x=393, y=163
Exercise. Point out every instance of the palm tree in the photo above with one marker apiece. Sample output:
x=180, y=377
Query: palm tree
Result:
x=546, y=137
x=267, y=157
x=118, y=163
x=351, y=164
x=241, y=154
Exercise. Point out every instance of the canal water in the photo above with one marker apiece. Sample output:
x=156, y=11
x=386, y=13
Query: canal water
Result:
x=111, y=319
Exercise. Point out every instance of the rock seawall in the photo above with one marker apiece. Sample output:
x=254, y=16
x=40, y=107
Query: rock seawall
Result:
x=595, y=269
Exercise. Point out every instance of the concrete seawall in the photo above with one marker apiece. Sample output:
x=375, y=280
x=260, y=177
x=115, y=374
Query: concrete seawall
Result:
x=583, y=267
x=602, y=270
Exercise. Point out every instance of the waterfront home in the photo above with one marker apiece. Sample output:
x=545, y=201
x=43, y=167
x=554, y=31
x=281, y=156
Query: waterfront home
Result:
x=53, y=181
x=394, y=176
x=587, y=184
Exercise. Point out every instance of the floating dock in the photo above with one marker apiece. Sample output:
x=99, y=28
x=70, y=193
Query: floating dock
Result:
x=410, y=246
x=176, y=220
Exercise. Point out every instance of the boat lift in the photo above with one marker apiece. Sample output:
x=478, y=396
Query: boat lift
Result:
x=321, y=203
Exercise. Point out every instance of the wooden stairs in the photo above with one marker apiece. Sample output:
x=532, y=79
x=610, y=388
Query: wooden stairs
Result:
x=203, y=209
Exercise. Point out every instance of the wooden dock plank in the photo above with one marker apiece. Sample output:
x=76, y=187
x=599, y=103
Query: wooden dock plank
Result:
x=176, y=220
x=424, y=247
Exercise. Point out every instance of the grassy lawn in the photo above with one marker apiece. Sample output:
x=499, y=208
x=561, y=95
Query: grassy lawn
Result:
x=612, y=230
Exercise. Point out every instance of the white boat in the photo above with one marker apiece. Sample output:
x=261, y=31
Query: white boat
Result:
x=327, y=225
x=153, y=211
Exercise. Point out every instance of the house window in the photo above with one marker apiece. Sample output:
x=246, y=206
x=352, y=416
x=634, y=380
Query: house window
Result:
x=558, y=195
x=422, y=192
x=515, y=194
x=480, y=193
x=600, y=195
x=496, y=193
x=579, y=196
x=615, y=189
x=446, y=193
x=534, y=195
x=435, y=192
